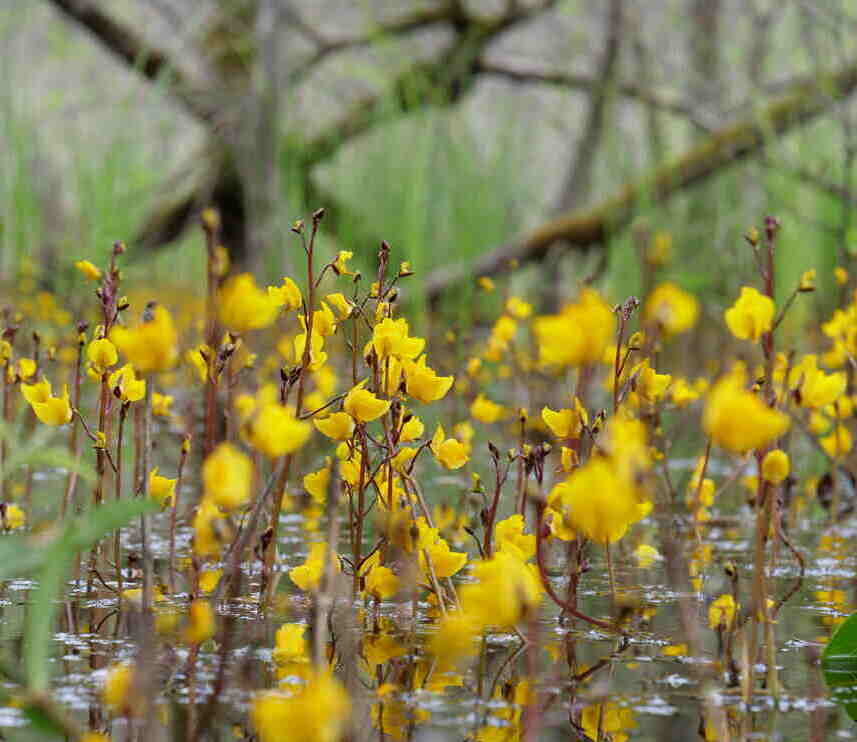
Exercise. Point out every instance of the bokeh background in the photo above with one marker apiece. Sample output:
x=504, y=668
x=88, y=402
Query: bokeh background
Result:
x=448, y=128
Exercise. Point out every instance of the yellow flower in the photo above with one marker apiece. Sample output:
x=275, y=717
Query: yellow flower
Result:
x=775, y=466
x=317, y=356
x=307, y=576
x=510, y=536
x=412, y=429
x=276, y=431
x=672, y=308
x=566, y=423
x=207, y=535
x=38, y=392
x=26, y=368
x=682, y=393
x=422, y=383
x=444, y=561
x=151, y=346
x=390, y=337
x=161, y=404
x=751, y=315
x=807, y=280
x=316, y=483
x=317, y=711
x=721, y=613
x=597, y=501
x=401, y=461
x=517, y=307
x=557, y=524
x=49, y=409
x=14, y=517
x=291, y=645
x=381, y=582
x=220, y=262
x=208, y=579
x=227, y=476
x=287, y=296
x=738, y=420
x=340, y=265
x=339, y=426
x=364, y=406
x=201, y=625
x=243, y=306
x=450, y=452
x=454, y=638
x=486, y=284
x=197, y=358
x=504, y=329
x=340, y=304
x=161, y=489
x=88, y=270
x=125, y=385
x=380, y=648
x=661, y=249
x=646, y=555
x=506, y=589
x=101, y=354
x=117, y=687
x=841, y=275
x=607, y=721
x=650, y=385
x=838, y=443
x=323, y=321
x=817, y=389
x=485, y=410
x=577, y=335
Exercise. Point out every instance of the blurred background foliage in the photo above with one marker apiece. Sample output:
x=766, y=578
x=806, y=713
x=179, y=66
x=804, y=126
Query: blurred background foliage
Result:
x=448, y=128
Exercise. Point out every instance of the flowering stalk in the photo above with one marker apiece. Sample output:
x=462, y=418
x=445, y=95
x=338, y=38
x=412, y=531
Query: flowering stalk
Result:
x=211, y=227
x=8, y=336
x=306, y=359
x=146, y=444
x=357, y=547
x=765, y=498
x=73, y=442
x=182, y=461
x=541, y=529
x=117, y=544
x=325, y=596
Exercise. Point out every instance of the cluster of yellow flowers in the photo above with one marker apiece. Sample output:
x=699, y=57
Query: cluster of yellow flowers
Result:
x=329, y=405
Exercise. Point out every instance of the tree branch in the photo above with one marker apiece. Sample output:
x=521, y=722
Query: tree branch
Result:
x=578, y=180
x=419, y=19
x=151, y=62
x=729, y=144
x=632, y=90
x=444, y=80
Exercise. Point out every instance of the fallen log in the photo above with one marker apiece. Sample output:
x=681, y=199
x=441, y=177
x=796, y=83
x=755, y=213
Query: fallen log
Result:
x=585, y=228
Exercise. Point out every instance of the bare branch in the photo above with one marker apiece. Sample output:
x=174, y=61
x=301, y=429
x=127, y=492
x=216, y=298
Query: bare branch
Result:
x=578, y=180
x=124, y=42
x=446, y=79
x=652, y=98
x=420, y=19
x=725, y=146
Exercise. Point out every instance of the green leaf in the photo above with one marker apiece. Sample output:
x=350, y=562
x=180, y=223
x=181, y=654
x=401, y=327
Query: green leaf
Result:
x=51, y=457
x=42, y=723
x=20, y=556
x=77, y=535
x=839, y=665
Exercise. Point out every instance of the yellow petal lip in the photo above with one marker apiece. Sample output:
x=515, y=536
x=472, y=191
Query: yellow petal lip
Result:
x=364, y=406
x=751, y=316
